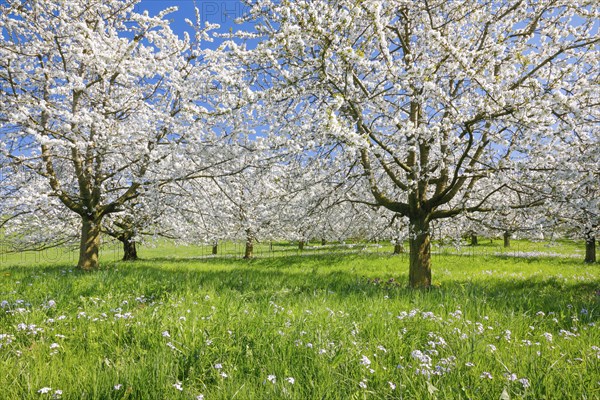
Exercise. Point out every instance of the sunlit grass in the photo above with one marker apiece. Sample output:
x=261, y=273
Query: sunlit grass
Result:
x=342, y=326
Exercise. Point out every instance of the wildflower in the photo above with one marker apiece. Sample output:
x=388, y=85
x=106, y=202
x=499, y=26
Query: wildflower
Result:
x=492, y=347
x=524, y=382
x=365, y=361
x=380, y=347
x=272, y=378
x=51, y=303
x=118, y=386
x=166, y=334
x=223, y=375
x=584, y=311
x=392, y=385
x=486, y=375
x=44, y=390
x=57, y=394
x=469, y=364
x=171, y=346
x=548, y=336
x=200, y=397
x=423, y=358
x=363, y=384
x=177, y=385
x=290, y=380
x=218, y=366
x=54, y=346
x=511, y=377
x=322, y=351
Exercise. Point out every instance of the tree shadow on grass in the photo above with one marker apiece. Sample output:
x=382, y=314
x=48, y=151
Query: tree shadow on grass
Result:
x=338, y=276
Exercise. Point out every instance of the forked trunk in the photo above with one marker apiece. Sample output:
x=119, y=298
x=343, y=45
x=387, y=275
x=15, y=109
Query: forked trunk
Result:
x=507, y=239
x=301, y=245
x=129, y=250
x=249, y=251
x=89, y=246
x=590, y=249
x=419, y=272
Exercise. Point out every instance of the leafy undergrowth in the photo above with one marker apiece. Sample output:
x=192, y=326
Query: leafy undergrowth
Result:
x=333, y=327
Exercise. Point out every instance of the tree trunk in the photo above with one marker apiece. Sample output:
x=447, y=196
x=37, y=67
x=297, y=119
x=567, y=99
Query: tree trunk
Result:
x=473, y=239
x=398, y=248
x=590, y=249
x=507, y=238
x=301, y=245
x=89, y=245
x=323, y=242
x=215, y=248
x=129, y=250
x=419, y=272
x=249, y=251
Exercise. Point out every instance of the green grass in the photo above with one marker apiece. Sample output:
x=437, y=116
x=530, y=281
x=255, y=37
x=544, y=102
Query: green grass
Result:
x=329, y=322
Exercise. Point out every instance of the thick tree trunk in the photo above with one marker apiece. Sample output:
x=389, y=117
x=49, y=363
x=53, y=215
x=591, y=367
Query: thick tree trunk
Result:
x=590, y=249
x=419, y=272
x=323, y=242
x=89, y=245
x=215, y=248
x=129, y=250
x=398, y=248
x=301, y=245
x=507, y=235
x=249, y=251
x=474, y=239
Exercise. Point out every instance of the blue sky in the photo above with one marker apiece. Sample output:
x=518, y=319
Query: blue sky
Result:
x=222, y=12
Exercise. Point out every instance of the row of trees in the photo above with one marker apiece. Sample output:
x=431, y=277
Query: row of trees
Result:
x=331, y=118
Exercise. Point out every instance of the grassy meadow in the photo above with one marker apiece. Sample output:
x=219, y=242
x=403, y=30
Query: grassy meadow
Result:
x=321, y=326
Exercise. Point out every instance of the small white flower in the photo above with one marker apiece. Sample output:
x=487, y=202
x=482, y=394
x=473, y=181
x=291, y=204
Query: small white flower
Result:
x=492, y=347
x=177, y=385
x=392, y=385
x=44, y=390
x=511, y=377
x=524, y=382
x=469, y=364
x=290, y=380
x=365, y=361
x=166, y=334
x=486, y=375
x=54, y=346
x=363, y=384
x=223, y=375
x=218, y=366
x=118, y=386
x=548, y=336
x=200, y=397
x=272, y=378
